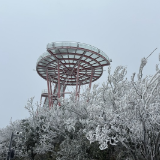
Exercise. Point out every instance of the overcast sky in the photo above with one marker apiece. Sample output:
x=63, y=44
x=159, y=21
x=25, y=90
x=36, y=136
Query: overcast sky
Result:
x=126, y=30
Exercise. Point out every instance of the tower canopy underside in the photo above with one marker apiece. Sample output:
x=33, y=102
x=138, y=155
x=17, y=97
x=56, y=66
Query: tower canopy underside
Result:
x=68, y=56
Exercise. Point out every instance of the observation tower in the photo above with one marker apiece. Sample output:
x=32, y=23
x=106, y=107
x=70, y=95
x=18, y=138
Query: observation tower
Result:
x=69, y=64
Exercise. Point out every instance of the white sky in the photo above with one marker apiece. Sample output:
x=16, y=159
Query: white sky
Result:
x=126, y=30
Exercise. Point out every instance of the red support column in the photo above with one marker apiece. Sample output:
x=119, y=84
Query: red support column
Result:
x=48, y=88
x=51, y=94
x=77, y=80
x=90, y=83
x=58, y=95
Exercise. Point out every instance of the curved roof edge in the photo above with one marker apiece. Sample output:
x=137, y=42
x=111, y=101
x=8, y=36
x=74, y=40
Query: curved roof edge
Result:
x=78, y=45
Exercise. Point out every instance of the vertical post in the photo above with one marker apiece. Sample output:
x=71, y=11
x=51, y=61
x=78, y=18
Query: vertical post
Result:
x=48, y=88
x=10, y=145
x=77, y=80
x=49, y=91
x=51, y=94
x=58, y=95
x=90, y=83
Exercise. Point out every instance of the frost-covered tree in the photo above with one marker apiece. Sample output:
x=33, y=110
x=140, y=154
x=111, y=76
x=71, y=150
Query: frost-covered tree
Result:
x=122, y=116
x=130, y=113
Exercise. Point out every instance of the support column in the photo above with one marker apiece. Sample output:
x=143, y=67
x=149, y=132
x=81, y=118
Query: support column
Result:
x=77, y=80
x=48, y=88
x=51, y=94
x=90, y=83
x=58, y=94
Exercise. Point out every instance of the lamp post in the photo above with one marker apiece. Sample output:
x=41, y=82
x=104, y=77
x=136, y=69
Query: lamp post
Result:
x=10, y=145
x=11, y=151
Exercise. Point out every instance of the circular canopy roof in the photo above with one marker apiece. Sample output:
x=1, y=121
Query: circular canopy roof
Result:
x=69, y=55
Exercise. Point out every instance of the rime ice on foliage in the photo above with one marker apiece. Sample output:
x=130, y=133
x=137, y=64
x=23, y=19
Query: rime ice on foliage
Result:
x=143, y=63
x=130, y=108
x=121, y=111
